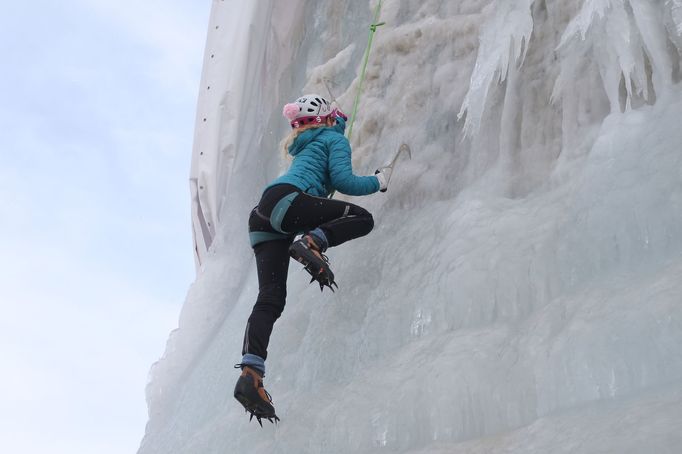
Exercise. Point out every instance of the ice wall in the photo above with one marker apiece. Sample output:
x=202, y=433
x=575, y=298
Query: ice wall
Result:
x=521, y=291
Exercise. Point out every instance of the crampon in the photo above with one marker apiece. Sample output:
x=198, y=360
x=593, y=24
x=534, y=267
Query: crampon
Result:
x=314, y=262
x=249, y=391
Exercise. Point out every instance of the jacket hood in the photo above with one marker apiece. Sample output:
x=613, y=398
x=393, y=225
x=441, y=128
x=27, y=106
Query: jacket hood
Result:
x=304, y=139
x=309, y=135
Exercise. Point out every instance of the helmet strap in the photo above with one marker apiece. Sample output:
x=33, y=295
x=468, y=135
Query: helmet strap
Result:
x=305, y=121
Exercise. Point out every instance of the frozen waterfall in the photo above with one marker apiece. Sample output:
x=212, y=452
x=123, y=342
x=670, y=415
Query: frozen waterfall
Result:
x=522, y=289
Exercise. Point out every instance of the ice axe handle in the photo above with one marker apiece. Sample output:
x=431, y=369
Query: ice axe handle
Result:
x=388, y=169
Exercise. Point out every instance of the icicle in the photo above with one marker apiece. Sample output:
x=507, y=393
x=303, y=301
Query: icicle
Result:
x=621, y=37
x=649, y=20
x=591, y=12
x=504, y=40
x=675, y=7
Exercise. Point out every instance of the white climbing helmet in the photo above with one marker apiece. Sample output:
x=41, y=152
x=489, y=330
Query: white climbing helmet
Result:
x=307, y=110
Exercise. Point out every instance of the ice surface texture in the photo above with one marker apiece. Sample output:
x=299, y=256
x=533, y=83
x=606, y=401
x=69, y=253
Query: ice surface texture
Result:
x=521, y=291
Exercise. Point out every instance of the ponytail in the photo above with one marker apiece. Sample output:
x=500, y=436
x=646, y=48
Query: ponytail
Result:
x=289, y=139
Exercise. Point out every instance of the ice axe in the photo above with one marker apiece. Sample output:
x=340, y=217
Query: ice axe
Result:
x=388, y=169
x=325, y=80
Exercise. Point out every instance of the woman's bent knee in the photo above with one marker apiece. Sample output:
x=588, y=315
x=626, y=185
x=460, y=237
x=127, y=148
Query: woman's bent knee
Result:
x=369, y=222
x=271, y=298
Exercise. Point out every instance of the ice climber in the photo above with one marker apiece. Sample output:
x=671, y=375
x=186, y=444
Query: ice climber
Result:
x=297, y=203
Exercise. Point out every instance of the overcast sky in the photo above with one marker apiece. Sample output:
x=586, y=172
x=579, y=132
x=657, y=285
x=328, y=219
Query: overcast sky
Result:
x=97, y=105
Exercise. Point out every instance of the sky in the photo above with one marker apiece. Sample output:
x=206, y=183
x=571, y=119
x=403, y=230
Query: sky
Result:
x=97, y=109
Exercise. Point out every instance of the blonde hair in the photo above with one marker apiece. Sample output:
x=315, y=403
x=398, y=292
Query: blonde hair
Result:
x=289, y=139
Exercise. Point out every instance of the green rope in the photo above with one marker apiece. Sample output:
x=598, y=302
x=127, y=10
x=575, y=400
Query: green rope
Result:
x=372, y=30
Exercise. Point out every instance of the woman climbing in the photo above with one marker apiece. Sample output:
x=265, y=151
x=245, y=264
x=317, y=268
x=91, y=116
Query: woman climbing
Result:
x=297, y=203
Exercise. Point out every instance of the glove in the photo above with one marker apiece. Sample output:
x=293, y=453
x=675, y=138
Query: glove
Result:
x=382, y=176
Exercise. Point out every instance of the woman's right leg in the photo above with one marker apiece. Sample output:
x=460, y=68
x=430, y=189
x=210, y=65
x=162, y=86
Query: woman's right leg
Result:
x=328, y=223
x=340, y=221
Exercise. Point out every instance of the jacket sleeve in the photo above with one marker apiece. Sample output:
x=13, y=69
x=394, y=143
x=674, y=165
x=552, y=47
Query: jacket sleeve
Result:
x=341, y=170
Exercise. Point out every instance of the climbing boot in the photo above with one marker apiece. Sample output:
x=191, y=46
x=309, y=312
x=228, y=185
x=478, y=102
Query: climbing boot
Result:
x=249, y=391
x=306, y=251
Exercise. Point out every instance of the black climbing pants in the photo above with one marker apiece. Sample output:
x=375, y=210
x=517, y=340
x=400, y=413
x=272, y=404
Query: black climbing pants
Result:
x=340, y=221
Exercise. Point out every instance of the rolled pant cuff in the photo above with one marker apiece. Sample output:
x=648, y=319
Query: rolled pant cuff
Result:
x=255, y=362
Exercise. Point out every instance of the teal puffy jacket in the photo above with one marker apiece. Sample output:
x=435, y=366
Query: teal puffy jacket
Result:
x=322, y=164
